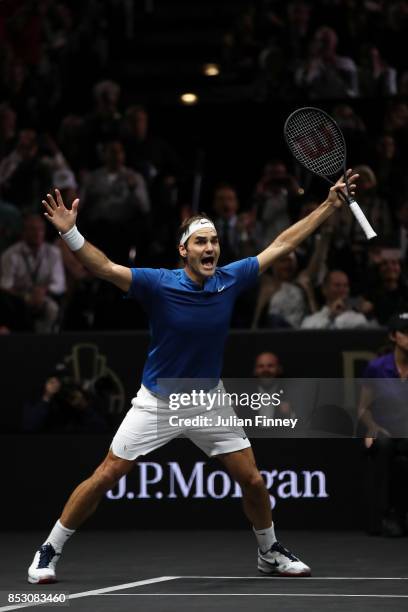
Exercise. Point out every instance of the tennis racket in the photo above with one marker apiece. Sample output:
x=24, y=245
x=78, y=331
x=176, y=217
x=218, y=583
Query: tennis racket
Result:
x=317, y=143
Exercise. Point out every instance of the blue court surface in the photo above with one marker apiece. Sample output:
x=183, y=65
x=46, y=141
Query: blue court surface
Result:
x=212, y=570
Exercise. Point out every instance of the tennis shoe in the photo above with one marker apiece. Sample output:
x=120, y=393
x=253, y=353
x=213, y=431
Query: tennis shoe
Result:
x=279, y=561
x=42, y=569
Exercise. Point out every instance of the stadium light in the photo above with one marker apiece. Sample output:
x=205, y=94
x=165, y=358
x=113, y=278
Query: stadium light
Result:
x=211, y=70
x=189, y=98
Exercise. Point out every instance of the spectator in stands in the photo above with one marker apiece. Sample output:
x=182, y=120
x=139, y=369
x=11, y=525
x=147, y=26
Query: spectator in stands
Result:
x=103, y=124
x=14, y=316
x=389, y=292
x=19, y=88
x=396, y=123
x=376, y=78
x=63, y=408
x=8, y=121
x=151, y=156
x=32, y=269
x=338, y=312
x=10, y=224
x=401, y=238
x=38, y=416
x=240, y=44
x=59, y=168
x=324, y=74
x=24, y=176
x=267, y=372
x=354, y=130
x=283, y=299
x=298, y=28
x=390, y=172
x=71, y=140
x=157, y=161
x=115, y=204
x=238, y=233
x=382, y=413
x=348, y=120
x=272, y=201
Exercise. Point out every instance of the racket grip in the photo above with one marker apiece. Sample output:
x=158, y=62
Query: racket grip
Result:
x=362, y=219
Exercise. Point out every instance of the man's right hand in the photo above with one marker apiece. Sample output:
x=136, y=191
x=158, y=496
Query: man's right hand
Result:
x=62, y=218
x=336, y=308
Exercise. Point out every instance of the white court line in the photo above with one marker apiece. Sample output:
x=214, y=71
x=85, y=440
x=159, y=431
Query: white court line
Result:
x=257, y=595
x=306, y=578
x=118, y=587
x=129, y=585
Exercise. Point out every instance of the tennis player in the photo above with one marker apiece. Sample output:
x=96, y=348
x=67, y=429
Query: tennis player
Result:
x=190, y=310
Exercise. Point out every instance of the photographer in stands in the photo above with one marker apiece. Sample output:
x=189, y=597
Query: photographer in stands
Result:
x=383, y=419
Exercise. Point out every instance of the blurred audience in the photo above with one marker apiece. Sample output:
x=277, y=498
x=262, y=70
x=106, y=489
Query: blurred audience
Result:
x=63, y=408
x=273, y=200
x=389, y=288
x=339, y=311
x=32, y=270
x=114, y=204
x=24, y=175
x=238, y=233
x=132, y=182
x=283, y=300
x=384, y=425
x=325, y=74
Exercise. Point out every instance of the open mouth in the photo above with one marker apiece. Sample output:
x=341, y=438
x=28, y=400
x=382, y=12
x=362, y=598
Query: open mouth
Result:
x=208, y=262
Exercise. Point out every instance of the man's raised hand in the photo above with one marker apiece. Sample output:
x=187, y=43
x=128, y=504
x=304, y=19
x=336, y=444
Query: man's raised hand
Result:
x=334, y=198
x=62, y=218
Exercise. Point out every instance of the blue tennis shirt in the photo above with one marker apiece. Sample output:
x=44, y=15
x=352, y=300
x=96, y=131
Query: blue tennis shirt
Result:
x=188, y=323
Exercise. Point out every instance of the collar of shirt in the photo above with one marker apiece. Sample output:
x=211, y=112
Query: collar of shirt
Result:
x=211, y=285
x=28, y=252
x=390, y=367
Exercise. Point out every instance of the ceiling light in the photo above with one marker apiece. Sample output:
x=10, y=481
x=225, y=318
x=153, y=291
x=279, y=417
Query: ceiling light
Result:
x=211, y=69
x=189, y=98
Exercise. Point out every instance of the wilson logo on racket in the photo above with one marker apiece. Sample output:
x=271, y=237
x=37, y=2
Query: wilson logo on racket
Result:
x=316, y=143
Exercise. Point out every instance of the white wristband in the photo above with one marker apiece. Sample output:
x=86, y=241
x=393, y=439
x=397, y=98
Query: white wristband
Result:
x=73, y=238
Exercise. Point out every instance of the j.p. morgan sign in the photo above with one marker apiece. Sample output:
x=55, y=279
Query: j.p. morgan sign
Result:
x=170, y=481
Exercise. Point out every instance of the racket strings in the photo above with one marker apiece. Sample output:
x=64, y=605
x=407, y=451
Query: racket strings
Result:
x=316, y=142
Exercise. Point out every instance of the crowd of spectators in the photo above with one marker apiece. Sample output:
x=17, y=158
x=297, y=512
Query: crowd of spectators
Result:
x=129, y=178
x=325, y=49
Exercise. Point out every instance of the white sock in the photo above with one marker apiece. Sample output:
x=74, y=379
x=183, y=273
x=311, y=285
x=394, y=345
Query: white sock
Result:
x=266, y=538
x=58, y=536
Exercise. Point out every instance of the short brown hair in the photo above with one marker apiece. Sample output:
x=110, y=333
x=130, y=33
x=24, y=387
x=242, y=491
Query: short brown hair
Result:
x=186, y=224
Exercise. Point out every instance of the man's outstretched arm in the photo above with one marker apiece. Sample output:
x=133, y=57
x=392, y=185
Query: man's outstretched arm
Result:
x=289, y=239
x=64, y=220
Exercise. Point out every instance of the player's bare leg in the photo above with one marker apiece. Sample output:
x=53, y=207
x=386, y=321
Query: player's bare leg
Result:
x=86, y=497
x=273, y=558
x=242, y=467
x=80, y=505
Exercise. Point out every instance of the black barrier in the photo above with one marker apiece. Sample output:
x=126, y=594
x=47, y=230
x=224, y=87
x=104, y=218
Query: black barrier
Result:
x=27, y=360
x=313, y=484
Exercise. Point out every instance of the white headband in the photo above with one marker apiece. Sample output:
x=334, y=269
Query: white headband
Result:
x=194, y=227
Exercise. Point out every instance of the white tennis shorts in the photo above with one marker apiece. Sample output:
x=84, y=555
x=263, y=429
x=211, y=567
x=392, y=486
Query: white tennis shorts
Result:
x=147, y=427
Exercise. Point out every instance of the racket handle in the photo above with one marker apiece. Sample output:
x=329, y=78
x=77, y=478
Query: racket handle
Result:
x=362, y=219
